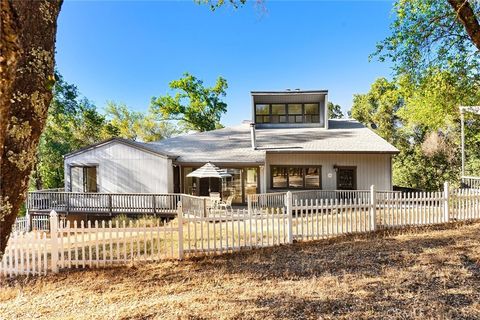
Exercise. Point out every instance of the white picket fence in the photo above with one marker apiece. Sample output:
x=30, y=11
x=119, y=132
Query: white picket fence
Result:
x=32, y=223
x=96, y=244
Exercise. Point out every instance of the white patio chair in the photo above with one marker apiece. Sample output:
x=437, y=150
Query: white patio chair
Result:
x=226, y=204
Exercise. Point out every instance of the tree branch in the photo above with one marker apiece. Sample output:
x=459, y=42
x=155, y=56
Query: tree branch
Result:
x=467, y=17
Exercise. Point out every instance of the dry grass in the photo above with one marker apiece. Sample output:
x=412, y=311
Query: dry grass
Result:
x=422, y=275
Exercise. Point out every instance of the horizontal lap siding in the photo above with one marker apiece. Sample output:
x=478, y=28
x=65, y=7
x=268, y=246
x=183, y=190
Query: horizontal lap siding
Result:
x=372, y=169
x=122, y=168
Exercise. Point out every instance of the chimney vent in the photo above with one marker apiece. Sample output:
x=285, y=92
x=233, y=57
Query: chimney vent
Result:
x=253, y=136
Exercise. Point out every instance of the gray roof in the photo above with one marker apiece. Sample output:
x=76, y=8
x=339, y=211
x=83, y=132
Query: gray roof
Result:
x=233, y=144
x=292, y=91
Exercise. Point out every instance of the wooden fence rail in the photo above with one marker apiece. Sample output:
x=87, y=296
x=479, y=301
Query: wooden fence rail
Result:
x=201, y=230
x=103, y=203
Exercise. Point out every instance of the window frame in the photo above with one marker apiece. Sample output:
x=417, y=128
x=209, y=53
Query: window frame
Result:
x=84, y=170
x=303, y=167
x=287, y=115
x=354, y=169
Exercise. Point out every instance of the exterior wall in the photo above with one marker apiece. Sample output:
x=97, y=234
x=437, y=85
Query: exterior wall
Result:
x=371, y=168
x=123, y=169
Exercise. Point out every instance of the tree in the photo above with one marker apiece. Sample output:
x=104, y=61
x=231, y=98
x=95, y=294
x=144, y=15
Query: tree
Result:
x=432, y=33
x=27, y=43
x=420, y=117
x=467, y=16
x=73, y=122
x=435, y=49
x=335, y=111
x=378, y=108
x=136, y=125
x=195, y=106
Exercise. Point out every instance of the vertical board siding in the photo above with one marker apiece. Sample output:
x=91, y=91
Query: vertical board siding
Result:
x=125, y=169
x=372, y=169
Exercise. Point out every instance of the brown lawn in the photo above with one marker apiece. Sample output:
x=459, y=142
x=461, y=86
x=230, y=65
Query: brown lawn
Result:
x=427, y=274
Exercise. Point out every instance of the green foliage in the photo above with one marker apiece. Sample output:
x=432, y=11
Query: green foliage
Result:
x=378, y=108
x=433, y=101
x=215, y=4
x=136, y=125
x=195, y=106
x=72, y=123
x=335, y=111
x=436, y=69
x=426, y=34
x=421, y=118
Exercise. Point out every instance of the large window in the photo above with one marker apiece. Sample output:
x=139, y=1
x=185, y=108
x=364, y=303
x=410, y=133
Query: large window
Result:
x=296, y=177
x=287, y=113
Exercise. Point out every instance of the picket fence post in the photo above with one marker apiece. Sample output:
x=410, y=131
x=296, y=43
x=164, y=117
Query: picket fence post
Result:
x=54, y=240
x=249, y=204
x=446, y=196
x=288, y=205
x=28, y=217
x=180, y=229
x=373, y=208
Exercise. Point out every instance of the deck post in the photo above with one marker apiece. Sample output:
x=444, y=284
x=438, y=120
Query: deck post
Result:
x=180, y=230
x=68, y=202
x=204, y=207
x=288, y=205
x=54, y=240
x=373, y=208
x=154, y=205
x=110, y=209
x=446, y=198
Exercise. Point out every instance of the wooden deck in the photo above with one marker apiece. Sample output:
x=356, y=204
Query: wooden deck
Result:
x=163, y=205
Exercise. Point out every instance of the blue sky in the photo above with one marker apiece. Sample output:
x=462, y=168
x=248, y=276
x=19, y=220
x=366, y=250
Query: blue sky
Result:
x=130, y=51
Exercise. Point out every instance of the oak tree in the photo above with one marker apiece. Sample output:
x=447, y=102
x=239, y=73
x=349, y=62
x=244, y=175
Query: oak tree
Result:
x=27, y=44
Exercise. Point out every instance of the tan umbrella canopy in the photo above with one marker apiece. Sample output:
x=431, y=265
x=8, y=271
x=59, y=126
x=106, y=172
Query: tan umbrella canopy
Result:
x=209, y=170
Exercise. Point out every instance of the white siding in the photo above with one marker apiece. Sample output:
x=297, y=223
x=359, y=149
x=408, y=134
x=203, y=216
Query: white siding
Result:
x=122, y=168
x=371, y=168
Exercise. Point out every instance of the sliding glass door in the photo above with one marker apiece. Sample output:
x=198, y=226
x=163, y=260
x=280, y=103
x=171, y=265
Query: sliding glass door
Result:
x=243, y=181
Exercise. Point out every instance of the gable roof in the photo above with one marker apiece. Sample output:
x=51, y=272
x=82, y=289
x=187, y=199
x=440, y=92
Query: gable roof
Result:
x=134, y=144
x=233, y=144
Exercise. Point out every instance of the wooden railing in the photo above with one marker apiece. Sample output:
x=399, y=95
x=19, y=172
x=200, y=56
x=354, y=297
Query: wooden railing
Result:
x=103, y=203
x=470, y=183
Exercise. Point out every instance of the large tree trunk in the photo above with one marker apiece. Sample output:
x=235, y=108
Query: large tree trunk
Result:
x=467, y=17
x=27, y=44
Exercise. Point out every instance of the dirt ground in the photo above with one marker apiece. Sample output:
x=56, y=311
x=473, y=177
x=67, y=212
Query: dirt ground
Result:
x=423, y=274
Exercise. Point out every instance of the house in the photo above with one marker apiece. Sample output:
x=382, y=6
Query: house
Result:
x=289, y=144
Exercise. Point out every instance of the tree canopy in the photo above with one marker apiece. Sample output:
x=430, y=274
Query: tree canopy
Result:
x=335, y=111
x=195, y=106
x=137, y=125
x=434, y=47
x=430, y=33
x=74, y=122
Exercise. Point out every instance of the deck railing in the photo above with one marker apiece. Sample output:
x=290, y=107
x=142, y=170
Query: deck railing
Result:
x=102, y=203
x=470, y=182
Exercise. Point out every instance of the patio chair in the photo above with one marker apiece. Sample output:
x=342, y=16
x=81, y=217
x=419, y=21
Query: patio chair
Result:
x=226, y=204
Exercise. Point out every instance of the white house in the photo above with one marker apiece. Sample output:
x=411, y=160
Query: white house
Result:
x=289, y=144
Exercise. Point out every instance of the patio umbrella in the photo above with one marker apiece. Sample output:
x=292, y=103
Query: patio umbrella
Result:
x=209, y=170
